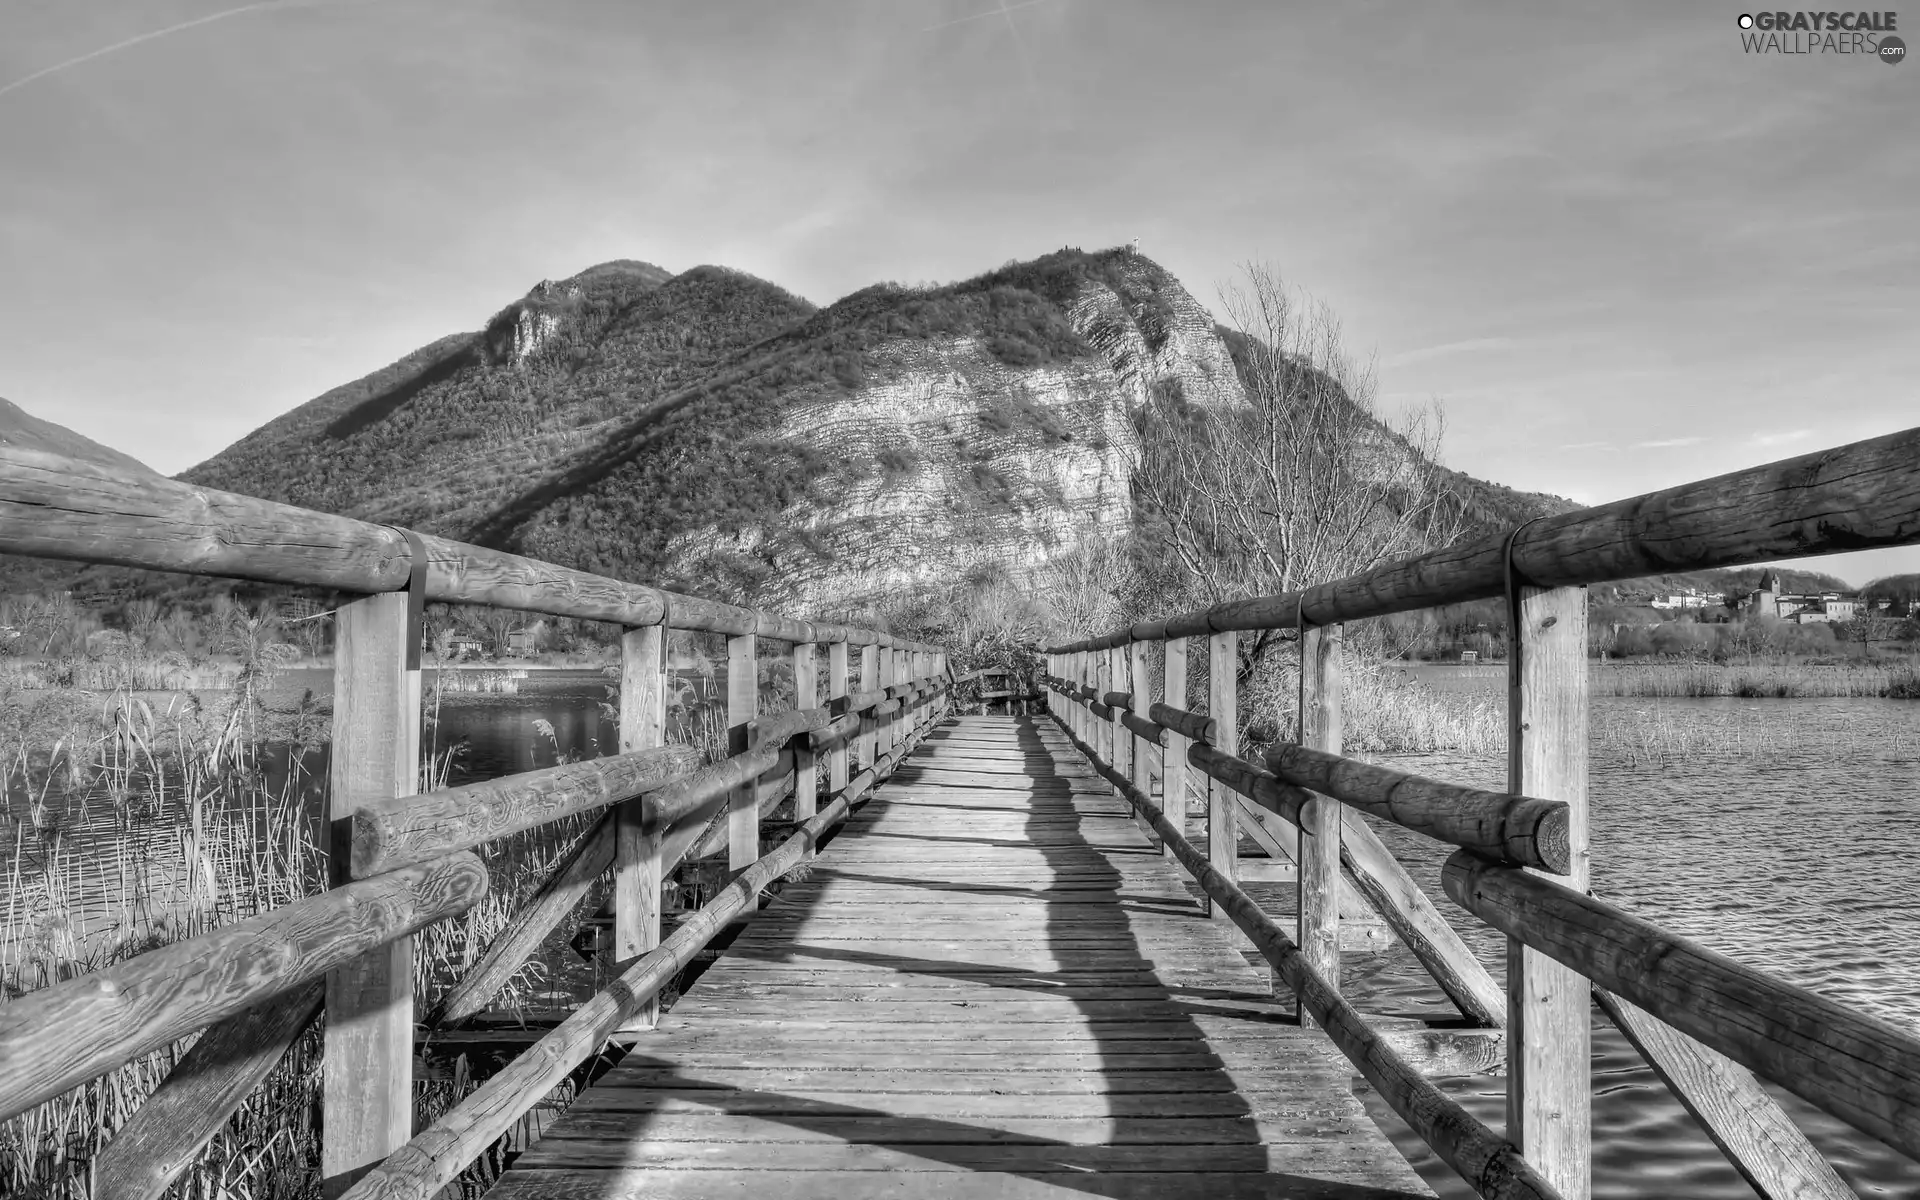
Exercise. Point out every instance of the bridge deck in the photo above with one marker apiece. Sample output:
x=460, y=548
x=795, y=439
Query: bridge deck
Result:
x=990, y=986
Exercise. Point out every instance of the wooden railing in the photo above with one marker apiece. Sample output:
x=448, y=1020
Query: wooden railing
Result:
x=1701, y=1020
x=402, y=861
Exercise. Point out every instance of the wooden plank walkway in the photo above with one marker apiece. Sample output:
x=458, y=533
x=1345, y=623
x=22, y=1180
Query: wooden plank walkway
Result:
x=989, y=987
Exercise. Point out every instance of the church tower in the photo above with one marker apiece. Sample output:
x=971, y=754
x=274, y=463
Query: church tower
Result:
x=1766, y=601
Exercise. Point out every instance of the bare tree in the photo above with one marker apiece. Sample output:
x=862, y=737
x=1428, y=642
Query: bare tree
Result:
x=1305, y=483
x=1082, y=587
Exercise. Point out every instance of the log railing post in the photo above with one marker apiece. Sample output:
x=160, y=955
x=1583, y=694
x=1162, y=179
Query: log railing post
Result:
x=888, y=729
x=367, y=1074
x=637, y=868
x=1140, y=683
x=1223, y=705
x=1119, y=741
x=1549, y=1049
x=837, y=774
x=743, y=707
x=806, y=694
x=1318, y=853
x=869, y=724
x=1173, y=757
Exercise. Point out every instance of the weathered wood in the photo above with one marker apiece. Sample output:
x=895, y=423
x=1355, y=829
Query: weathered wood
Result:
x=869, y=724
x=1117, y=700
x=170, y=1128
x=1522, y=830
x=1187, y=724
x=367, y=1072
x=1238, y=775
x=776, y=729
x=831, y=739
x=1318, y=912
x=769, y=788
x=1740, y=1115
x=1408, y=911
x=1860, y=1069
x=431, y=1161
x=1173, y=758
x=391, y=833
x=1491, y=1164
x=1853, y=497
x=1549, y=1009
x=696, y=797
x=807, y=697
x=1146, y=733
x=638, y=874
x=59, y=1037
x=559, y=894
x=743, y=707
x=1223, y=722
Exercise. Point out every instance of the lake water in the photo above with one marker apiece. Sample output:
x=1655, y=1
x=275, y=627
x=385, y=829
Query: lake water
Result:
x=1782, y=832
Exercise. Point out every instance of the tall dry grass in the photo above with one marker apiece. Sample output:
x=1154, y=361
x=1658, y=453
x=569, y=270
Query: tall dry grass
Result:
x=1383, y=710
x=1894, y=680
x=134, y=821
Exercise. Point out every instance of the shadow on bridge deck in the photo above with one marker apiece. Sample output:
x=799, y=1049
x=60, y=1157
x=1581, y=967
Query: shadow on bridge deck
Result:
x=989, y=986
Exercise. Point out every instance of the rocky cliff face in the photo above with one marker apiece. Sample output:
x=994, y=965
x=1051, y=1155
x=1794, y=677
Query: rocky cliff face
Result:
x=982, y=465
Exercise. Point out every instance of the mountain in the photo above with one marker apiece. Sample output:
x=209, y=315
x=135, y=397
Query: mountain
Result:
x=21, y=428
x=711, y=432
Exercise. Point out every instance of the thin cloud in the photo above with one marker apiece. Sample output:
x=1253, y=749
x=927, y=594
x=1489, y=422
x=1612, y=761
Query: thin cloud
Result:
x=1779, y=439
x=1665, y=442
x=152, y=35
x=1471, y=345
x=1586, y=446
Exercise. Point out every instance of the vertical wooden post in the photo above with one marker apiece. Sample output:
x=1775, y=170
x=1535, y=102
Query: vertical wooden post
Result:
x=1173, y=759
x=1223, y=705
x=636, y=872
x=806, y=694
x=1549, y=1052
x=367, y=1075
x=837, y=687
x=1318, y=852
x=869, y=725
x=743, y=706
x=1140, y=683
x=1119, y=741
x=887, y=680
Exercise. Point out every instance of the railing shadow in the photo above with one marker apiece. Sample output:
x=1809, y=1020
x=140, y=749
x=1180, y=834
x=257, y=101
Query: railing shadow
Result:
x=1156, y=1102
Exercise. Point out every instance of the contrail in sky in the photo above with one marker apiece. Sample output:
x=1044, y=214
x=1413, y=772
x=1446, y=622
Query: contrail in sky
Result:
x=1004, y=8
x=148, y=37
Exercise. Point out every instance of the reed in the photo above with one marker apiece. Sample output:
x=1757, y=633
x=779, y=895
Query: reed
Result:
x=134, y=820
x=1894, y=680
x=1386, y=711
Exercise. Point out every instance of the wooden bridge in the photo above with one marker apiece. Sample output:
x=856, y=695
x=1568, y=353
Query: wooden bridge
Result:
x=997, y=963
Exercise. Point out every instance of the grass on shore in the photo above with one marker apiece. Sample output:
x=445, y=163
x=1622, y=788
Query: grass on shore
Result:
x=1899, y=680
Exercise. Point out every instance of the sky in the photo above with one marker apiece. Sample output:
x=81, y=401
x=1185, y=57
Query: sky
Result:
x=1622, y=252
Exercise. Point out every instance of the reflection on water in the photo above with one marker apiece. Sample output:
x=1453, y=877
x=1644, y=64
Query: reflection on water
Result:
x=1780, y=832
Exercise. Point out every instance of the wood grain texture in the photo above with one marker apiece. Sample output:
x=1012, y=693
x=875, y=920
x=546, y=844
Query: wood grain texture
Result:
x=59, y=1037
x=1318, y=917
x=743, y=707
x=559, y=894
x=1740, y=1115
x=1854, y=497
x=367, y=1066
x=1549, y=1007
x=393, y=832
x=431, y=1161
x=638, y=874
x=1526, y=831
x=1491, y=1164
x=1193, y=726
x=170, y=1128
x=1860, y=1069
x=864, y=1035
x=839, y=682
x=807, y=699
x=1223, y=715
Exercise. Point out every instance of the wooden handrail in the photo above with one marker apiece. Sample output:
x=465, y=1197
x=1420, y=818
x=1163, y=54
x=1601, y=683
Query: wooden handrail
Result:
x=1491, y=1164
x=1507, y=828
x=434, y=1157
x=53, y=506
x=1864, y=1071
x=1854, y=497
x=409, y=829
x=56, y=1038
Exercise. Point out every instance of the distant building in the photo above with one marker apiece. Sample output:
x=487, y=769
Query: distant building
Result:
x=1687, y=599
x=461, y=645
x=1802, y=608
